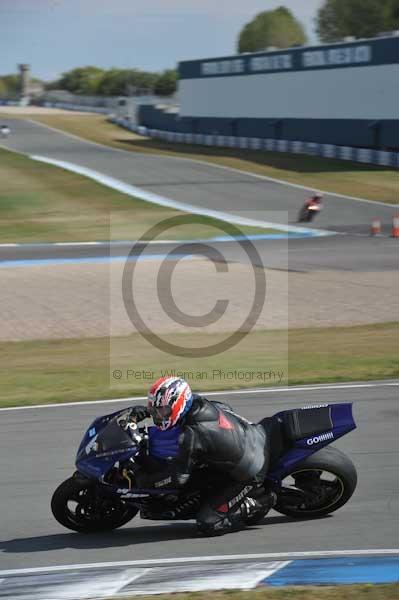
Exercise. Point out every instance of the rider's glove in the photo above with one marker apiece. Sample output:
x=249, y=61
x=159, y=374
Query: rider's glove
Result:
x=139, y=413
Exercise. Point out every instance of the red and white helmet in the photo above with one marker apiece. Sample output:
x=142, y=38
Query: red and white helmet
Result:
x=169, y=399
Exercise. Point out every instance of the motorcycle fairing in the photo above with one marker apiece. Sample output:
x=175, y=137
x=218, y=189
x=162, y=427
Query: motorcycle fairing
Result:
x=94, y=429
x=104, y=443
x=297, y=450
x=98, y=466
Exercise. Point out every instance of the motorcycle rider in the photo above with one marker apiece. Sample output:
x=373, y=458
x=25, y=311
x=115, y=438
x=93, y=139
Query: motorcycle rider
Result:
x=4, y=131
x=212, y=435
x=312, y=201
x=316, y=198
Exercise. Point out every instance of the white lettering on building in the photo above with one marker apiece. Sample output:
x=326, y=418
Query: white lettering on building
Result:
x=283, y=62
x=275, y=62
x=223, y=67
x=336, y=56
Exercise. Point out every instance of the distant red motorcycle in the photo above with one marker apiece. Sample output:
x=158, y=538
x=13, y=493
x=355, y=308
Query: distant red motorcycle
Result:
x=310, y=208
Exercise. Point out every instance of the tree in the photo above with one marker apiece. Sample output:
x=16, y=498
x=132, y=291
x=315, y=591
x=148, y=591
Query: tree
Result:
x=10, y=85
x=167, y=83
x=122, y=82
x=271, y=28
x=337, y=19
x=83, y=80
x=3, y=89
x=115, y=82
x=392, y=15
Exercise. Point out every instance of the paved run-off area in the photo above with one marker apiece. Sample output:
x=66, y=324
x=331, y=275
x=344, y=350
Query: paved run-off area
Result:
x=85, y=299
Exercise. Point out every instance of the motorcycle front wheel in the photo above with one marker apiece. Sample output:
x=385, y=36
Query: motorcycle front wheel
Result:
x=320, y=485
x=77, y=506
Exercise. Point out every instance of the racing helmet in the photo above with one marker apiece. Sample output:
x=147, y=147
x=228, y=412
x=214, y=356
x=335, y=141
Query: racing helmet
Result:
x=169, y=399
x=317, y=196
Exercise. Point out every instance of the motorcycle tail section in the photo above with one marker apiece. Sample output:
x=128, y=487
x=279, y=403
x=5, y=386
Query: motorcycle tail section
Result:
x=319, y=426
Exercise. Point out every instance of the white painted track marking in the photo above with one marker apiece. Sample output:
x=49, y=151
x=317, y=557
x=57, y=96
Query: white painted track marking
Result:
x=201, y=559
x=215, y=578
x=269, y=390
x=78, y=243
x=202, y=162
x=102, y=586
x=153, y=198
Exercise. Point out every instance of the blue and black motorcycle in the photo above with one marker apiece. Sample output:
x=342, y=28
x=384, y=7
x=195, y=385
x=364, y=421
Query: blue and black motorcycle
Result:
x=116, y=459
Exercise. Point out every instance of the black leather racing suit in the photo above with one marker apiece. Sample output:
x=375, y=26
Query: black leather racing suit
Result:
x=214, y=436
x=226, y=442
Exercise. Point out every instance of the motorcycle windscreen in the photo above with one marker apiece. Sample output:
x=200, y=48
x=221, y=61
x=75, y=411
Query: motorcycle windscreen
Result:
x=112, y=438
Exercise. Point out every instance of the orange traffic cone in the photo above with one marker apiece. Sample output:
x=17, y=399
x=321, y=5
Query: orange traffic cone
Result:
x=395, y=226
x=375, y=227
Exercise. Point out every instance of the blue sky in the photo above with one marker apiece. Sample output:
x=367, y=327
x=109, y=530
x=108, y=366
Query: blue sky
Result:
x=57, y=35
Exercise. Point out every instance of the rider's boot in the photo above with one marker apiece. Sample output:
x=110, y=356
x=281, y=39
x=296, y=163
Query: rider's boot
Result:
x=223, y=519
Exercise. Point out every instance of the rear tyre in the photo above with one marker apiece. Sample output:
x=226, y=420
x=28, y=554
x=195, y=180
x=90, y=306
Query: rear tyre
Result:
x=318, y=486
x=302, y=215
x=77, y=506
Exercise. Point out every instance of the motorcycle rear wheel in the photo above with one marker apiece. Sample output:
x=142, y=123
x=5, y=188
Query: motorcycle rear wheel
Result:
x=76, y=505
x=320, y=485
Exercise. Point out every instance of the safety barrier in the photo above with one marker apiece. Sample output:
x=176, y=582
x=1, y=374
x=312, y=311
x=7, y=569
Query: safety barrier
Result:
x=77, y=107
x=360, y=155
x=9, y=102
x=64, y=105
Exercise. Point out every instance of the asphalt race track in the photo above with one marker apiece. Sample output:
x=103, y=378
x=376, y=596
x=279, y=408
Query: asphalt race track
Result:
x=220, y=189
x=189, y=181
x=341, y=252
x=37, y=452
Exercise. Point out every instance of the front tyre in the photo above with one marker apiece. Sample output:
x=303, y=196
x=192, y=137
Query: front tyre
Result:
x=318, y=486
x=76, y=505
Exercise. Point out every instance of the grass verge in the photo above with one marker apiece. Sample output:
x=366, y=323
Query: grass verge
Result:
x=342, y=177
x=349, y=592
x=39, y=372
x=43, y=203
